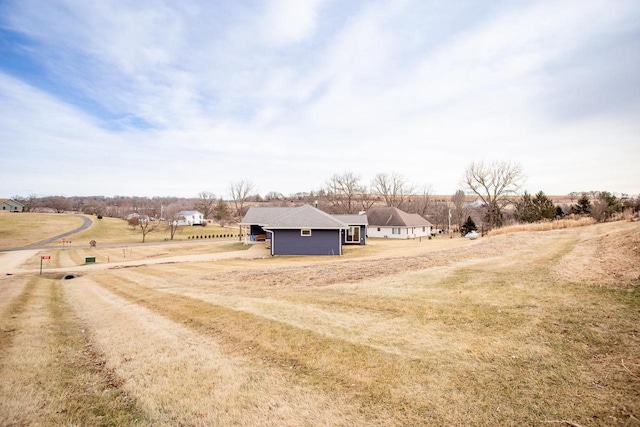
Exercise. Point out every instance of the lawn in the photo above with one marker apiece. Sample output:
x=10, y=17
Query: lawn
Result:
x=24, y=228
x=517, y=329
x=115, y=230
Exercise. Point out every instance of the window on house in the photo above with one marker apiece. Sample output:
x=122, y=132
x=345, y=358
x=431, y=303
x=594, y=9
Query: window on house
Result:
x=395, y=230
x=353, y=235
x=305, y=232
x=378, y=228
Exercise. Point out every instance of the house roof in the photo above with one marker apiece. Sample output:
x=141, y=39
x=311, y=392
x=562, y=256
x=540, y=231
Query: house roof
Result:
x=10, y=200
x=189, y=213
x=305, y=216
x=394, y=217
x=353, y=219
x=263, y=215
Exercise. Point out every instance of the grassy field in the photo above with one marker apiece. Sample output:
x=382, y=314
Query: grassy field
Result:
x=21, y=229
x=115, y=230
x=516, y=329
x=18, y=230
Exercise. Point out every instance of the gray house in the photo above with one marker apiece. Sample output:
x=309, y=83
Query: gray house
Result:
x=10, y=205
x=302, y=230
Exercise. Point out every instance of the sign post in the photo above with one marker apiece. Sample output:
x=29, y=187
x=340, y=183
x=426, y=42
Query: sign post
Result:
x=41, y=258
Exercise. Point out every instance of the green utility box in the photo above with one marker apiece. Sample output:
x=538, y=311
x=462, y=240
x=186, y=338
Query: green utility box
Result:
x=90, y=260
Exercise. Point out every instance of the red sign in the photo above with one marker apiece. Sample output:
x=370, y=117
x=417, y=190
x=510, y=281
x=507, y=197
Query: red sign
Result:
x=46, y=256
x=63, y=239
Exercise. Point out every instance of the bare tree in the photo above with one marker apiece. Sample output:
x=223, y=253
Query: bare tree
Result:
x=274, y=196
x=365, y=200
x=342, y=192
x=205, y=203
x=172, y=216
x=439, y=215
x=494, y=183
x=59, y=204
x=394, y=188
x=421, y=201
x=461, y=210
x=147, y=226
x=240, y=191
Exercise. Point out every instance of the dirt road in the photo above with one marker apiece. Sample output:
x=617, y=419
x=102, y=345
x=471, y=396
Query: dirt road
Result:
x=12, y=262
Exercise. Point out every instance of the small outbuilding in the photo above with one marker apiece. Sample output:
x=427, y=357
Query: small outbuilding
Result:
x=10, y=205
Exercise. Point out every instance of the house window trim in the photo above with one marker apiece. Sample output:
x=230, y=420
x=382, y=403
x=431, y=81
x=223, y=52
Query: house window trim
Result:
x=305, y=232
x=352, y=232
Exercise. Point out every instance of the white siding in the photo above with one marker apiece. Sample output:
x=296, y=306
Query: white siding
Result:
x=405, y=232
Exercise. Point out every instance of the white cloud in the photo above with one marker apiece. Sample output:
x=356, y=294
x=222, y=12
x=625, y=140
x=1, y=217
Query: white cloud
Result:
x=290, y=21
x=308, y=89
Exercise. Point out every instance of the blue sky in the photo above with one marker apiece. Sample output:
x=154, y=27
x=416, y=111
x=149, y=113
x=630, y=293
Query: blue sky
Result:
x=160, y=98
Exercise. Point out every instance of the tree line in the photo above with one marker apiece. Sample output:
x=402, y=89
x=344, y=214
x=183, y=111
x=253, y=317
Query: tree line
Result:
x=490, y=195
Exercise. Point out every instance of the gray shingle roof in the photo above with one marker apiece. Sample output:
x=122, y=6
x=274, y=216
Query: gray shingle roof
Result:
x=394, y=217
x=353, y=219
x=263, y=215
x=306, y=217
x=298, y=217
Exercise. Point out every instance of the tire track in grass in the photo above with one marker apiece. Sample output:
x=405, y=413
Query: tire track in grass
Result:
x=15, y=308
x=390, y=389
x=93, y=390
x=180, y=376
x=50, y=374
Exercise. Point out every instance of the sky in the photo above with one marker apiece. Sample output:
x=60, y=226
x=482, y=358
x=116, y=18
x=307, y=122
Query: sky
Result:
x=171, y=98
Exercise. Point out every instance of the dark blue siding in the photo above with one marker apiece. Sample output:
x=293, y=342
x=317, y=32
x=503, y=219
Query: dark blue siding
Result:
x=321, y=242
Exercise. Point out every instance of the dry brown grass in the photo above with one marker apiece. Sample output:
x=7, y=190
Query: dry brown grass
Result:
x=116, y=230
x=477, y=333
x=50, y=374
x=544, y=226
x=25, y=228
x=74, y=257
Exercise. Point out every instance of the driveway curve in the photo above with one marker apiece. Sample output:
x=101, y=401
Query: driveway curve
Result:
x=86, y=223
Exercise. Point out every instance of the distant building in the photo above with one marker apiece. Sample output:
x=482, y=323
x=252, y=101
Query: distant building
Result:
x=191, y=218
x=11, y=205
x=392, y=223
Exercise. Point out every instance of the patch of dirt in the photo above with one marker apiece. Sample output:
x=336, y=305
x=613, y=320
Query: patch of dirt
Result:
x=358, y=270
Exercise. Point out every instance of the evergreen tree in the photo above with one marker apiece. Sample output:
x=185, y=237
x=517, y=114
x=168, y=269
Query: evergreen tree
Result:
x=525, y=209
x=605, y=205
x=543, y=207
x=583, y=206
x=468, y=226
x=559, y=212
x=221, y=212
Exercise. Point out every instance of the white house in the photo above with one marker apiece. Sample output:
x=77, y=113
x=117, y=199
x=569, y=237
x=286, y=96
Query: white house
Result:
x=10, y=205
x=392, y=223
x=190, y=218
